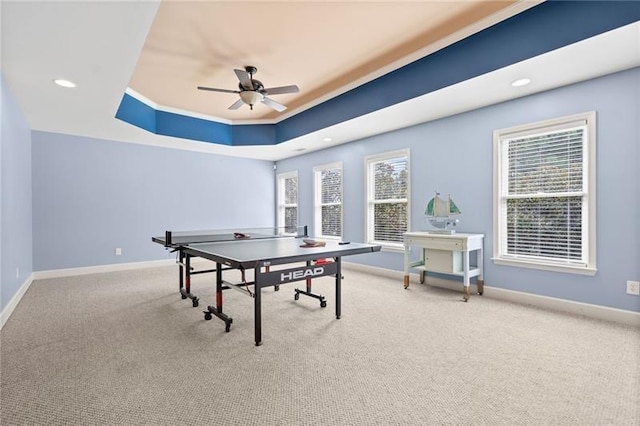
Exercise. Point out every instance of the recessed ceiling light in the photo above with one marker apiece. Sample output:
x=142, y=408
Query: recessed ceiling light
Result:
x=521, y=82
x=327, y=139
x=64, y=83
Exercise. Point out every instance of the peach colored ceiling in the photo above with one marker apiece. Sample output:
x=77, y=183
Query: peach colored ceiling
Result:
x=321, y=46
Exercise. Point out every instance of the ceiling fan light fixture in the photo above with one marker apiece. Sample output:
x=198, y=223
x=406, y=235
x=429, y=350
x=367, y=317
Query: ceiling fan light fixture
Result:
x=251, y=97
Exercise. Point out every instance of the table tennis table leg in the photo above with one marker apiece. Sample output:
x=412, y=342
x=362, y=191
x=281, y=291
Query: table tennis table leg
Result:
x=184, y=270
x=181, y=272
x=257, y=307
x=275, y=287
x=187, y=284
x=338, y=286
x=308, y=292
x=217, y=310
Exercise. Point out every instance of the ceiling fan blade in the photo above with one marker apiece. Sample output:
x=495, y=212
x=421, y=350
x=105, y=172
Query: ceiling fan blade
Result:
x=245, y=79
x=211, y=89
x=273, y=104
x=281, y=90
x=237, y=104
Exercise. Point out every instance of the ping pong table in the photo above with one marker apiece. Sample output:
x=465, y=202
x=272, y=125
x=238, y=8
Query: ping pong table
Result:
x=259, y=249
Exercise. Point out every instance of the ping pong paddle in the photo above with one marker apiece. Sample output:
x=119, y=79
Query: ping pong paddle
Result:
x=312, y=243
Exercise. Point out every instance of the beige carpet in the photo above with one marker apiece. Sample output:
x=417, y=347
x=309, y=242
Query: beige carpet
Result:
x=122, y=348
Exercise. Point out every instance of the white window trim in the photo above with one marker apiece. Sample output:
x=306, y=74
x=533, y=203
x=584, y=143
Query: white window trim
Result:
x=589, y=218
x=317, y=202
x=281, y=197
x=368, y=194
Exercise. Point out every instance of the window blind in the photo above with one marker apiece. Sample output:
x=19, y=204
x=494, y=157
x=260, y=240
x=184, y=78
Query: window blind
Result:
x=289, y=209
x=291, y=190
x=390, y=179
x=331, y=201
x=390, y=212
x=545, y=195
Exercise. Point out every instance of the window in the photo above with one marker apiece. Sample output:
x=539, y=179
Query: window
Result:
x=328, y=200
x=288, y=201
x=544, y=195
x=387, y=209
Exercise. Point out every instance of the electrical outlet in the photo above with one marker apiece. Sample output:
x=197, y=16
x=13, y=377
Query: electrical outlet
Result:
x=633, y=287
x=118, y=251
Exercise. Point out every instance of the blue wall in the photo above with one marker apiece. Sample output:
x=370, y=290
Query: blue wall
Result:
x=91, y=196
x=15, y=198
x=454, y=155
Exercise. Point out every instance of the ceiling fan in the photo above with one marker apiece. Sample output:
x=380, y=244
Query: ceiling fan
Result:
x=252, y=91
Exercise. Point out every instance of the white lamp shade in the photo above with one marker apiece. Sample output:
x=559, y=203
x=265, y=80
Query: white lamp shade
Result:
x=250, y=97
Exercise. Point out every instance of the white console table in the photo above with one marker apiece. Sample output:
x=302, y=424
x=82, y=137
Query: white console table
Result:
x=445, y=254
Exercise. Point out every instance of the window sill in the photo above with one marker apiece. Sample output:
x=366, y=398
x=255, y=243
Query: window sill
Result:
x=555, y=267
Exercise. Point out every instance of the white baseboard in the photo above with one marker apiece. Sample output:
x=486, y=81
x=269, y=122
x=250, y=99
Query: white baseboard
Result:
x=57, y=273
x=8, y=310
x=592, y=311
x=70, y=272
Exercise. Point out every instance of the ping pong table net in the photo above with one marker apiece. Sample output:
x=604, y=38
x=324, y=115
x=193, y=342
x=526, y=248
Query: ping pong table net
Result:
x=173, y=238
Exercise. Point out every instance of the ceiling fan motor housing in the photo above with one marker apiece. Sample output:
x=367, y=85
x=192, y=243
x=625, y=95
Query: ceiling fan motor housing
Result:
x=257, y=86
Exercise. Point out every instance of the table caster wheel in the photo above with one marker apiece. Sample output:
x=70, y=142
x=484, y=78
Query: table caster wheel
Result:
x=227, y=328
x=207, y=316
x=296, y=296
x=195, y=303
x=323, y=304
x=182, y=296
